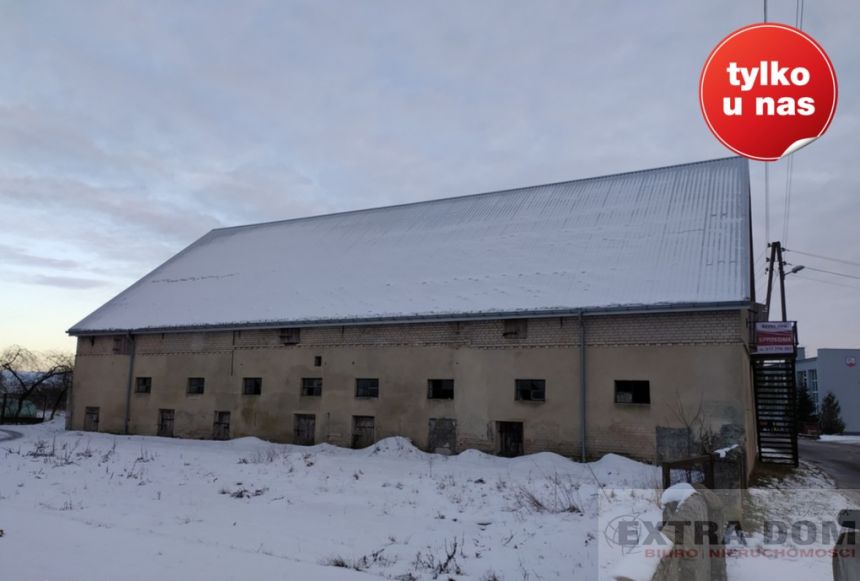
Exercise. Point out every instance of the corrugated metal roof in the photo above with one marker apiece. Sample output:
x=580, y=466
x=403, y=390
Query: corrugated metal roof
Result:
x=674, y=237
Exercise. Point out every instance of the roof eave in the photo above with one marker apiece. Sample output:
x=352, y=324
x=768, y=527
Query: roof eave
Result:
x=448, y=317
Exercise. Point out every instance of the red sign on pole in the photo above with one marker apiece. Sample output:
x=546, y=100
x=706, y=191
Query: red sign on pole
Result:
x=775, y=337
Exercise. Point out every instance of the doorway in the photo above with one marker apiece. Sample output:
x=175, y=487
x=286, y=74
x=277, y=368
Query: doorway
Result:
x=165, y=423
x=221, y=428
x=91, y=419
x=363, y=431
x=305, y=428
x=510, y=439
x=442, y=436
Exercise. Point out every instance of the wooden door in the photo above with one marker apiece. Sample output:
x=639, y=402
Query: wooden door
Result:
x=165, y=423
x=363, y=431
x=91, y=419
x=304, y=429
x=221, y=428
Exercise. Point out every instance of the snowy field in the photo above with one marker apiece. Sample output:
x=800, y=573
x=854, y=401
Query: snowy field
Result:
x=84, y=506
x=87, y=506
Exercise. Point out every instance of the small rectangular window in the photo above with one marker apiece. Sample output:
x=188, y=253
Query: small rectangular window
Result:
x=312, y=386
x=121, y=345
x=143, y=385
x=440, y=389
x=531, y=389
x=515, y=328
x=252, y=385
x=367, y=387
x=630, y=391
x=291, y=336
x=317, y=360
x=196, y=385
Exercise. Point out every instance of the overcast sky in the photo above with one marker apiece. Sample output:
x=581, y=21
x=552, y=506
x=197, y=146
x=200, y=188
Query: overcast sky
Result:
x=128, y=130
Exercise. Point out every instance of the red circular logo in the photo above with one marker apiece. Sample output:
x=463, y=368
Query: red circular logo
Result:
x=767, y=90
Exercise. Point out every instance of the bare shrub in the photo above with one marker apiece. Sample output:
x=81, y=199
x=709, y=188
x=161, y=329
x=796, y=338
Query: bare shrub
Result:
x=266, y=456
x=145, y=456
x=445, y=565
x=243, y=492
x=363, y=563
x=562, y=496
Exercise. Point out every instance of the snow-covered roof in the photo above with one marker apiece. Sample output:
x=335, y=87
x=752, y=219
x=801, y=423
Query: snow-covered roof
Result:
x=675, y=237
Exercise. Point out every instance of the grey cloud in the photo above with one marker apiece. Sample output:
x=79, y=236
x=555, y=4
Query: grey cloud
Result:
x=69, y=282
x=13, y=255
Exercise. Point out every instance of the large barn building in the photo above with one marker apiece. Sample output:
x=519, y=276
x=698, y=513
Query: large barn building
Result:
x=584, y=317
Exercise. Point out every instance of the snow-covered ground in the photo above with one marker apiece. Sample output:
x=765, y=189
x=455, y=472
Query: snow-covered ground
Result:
x=807, y=495
x=77, y=505
x=840, y=439
x=84, y=506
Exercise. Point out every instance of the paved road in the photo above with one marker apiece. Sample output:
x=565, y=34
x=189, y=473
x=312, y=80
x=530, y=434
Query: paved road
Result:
x=8, y=435
x=841, y=461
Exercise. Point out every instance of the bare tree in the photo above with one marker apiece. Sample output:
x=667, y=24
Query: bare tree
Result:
x=25, y=372
x=696, y=424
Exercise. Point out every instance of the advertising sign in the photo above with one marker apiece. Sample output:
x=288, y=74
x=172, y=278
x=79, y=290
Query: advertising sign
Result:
x=775, y=337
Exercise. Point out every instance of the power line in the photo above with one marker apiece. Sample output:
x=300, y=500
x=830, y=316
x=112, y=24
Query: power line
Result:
x=766, y=202
x=789, y=170
x=830, y=282
x=822, y=257
x=832, y=272
x=787, y=211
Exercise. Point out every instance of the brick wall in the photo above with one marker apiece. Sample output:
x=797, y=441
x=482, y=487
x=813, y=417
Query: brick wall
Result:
x=642, y=329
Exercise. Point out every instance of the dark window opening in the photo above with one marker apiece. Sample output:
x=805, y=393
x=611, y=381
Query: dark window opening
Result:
x=629, y=391
x=367, y=387
x=312, y=386
x=291, y=336
x=121, y=345
x=515, y=328
x=166, y=420
x=317, y=360
x=440, y=389
x=531, y=389
x=510, y=439
x=252, y=385
x=196, y=385
x=143, y=385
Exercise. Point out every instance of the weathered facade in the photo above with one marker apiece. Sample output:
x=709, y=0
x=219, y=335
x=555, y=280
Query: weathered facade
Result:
x=691, y=361
x=603, y=315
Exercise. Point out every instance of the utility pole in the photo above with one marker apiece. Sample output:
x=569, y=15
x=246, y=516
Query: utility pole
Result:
x=781, y=263
x=776, y=258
